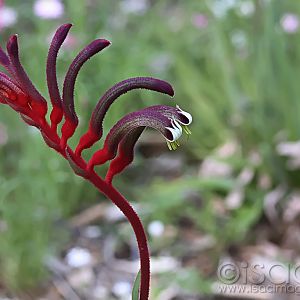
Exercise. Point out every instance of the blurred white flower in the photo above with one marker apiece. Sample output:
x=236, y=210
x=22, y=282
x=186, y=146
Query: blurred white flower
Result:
x=221, y=7
x=162, y=264
x=200, y=21
x=290, y=149
x=246, y=8
x=92, y=232
x=80, y=278
x=48, y=9
x=292, y=209
x=156, y=228
x=235, y=198
x=8, y=16
x=228, y=149
x=212, y=167
x=122, y=289
x=78, y=257
x=100, y=292
x=290, y=23
x=239, y=39
x=134, y=6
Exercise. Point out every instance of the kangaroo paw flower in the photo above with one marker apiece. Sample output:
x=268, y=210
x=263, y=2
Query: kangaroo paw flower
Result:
x=58, y=39
x=12, y=94
x=167, y=123
x=5, y=62
x=96, y=122
x=181, y=120
x=18, y=92
x=37, y=102
x=71, y=121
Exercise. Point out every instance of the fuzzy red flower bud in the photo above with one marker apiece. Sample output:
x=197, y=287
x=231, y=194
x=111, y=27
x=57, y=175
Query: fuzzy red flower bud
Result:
x=36, y=99
x=57, y=40
x=69, y=84
x=15, y=96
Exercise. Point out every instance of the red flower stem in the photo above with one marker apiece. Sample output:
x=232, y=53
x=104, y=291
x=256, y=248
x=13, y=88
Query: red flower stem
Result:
x=136, y=224
x=120, y=201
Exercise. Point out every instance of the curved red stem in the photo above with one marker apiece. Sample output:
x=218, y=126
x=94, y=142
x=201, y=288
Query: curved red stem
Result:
x=137, y=226
x=119, y=200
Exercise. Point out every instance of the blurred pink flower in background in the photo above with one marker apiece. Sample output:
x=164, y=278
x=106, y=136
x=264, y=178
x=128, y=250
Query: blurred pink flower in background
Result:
x=8, y=16
x=290, y=22
x=71, y=42
x=48, y=9
x=200, y=21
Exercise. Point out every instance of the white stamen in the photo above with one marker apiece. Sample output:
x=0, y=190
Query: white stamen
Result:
x=176, y=130
x=186, y=114
x=176, y=124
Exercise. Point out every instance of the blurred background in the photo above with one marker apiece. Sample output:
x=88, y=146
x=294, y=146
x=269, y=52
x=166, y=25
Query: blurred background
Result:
x=229, y=193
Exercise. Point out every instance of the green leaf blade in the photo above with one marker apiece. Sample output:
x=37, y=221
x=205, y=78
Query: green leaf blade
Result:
x=136, y=286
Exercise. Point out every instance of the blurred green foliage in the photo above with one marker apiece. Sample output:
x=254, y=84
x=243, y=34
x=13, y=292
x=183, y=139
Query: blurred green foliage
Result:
x=237, y=73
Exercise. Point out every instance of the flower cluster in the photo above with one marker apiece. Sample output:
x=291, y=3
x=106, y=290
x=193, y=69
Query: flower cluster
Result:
x=18, y=92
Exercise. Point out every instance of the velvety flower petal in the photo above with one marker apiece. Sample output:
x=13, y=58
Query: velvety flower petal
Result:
x=140, y=119
x=125, y=154
x=121, y=88
x=181, y=116
x=71, y=119
x=12, y=91
x=37, y=101
x=95, y=126
x=58, y=39
x=69, y=83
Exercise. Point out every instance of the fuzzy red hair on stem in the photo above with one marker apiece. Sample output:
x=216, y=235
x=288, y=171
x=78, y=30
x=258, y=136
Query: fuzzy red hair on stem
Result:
x=18, y=92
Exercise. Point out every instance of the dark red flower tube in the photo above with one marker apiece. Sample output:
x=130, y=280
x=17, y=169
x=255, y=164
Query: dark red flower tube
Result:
x=95, y=130
x=37, y=102
x=71, y=119
x=57, y=40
